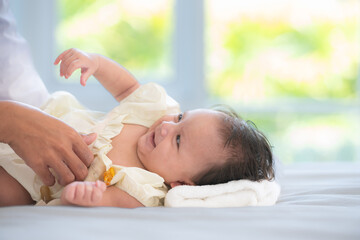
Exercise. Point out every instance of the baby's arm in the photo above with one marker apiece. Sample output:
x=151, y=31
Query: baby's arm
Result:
x=91, y=194
x=115, y=78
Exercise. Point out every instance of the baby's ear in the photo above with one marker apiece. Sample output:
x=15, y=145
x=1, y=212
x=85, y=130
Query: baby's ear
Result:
x=179, y=183
x=175, y=184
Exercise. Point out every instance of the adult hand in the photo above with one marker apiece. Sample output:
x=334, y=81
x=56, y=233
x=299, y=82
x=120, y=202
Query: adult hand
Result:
x=44, y=142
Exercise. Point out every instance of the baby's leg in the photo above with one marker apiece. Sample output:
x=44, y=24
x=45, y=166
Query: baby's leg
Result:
x=87, y=194
x=12, y=192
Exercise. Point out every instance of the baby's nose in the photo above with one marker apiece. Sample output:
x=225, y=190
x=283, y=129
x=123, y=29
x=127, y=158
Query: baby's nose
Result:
x=165, y=128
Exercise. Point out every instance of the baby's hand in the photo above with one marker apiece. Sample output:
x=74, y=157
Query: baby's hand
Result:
x=85, y=194
x=73, y=59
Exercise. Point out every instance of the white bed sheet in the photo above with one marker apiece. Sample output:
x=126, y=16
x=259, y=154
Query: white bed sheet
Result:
x=318, y=201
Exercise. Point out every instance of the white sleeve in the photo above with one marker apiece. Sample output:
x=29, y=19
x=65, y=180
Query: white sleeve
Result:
x=146, y=105
x=19, y=80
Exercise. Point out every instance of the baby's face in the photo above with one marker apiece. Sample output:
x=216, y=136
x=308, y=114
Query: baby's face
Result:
x=178, y=147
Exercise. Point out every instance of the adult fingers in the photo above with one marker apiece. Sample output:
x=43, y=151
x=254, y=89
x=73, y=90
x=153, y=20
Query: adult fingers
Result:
x=82, y=151
x=44, y=173
x=76, y=166
x=88, y=138
x=63, y=173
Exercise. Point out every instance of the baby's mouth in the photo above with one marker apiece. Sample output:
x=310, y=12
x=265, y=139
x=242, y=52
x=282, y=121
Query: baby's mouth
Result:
x=152, y=139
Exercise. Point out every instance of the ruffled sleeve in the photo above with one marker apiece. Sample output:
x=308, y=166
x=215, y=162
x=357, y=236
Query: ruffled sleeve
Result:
x=146, y=105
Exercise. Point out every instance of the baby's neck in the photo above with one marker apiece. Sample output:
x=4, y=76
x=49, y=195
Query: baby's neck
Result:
x=124, y=151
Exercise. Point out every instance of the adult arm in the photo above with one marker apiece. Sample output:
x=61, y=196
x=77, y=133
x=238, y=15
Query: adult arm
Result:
x=19, y=79
x=44, y=142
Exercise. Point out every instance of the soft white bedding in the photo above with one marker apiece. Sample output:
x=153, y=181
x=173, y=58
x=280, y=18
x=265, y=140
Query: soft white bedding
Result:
x=318, y=201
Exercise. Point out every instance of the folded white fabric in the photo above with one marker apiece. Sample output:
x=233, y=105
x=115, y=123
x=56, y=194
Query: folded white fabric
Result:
x=238, y=193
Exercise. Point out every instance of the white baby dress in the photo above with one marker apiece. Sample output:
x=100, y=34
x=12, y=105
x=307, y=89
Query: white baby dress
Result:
x=143, y=107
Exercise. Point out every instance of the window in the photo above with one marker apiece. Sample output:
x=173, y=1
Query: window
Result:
x=292, y=69
x=299, y=49
x=136, y=34
x=290, y=66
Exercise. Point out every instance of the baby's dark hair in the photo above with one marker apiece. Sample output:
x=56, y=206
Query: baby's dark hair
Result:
x=248, y=153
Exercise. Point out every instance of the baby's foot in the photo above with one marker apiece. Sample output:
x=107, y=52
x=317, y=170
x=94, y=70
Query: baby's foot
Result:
x=85, y=194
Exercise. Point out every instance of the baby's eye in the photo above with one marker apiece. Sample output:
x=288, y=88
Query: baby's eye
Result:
x=178, y=140
x=180, y=116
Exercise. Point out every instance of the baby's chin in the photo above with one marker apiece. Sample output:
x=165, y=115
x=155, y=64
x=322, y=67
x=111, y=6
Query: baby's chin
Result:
x=142, y=147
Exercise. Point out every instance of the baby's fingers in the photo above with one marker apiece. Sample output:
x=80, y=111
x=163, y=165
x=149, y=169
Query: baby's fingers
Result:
x=101, y=185
x=60, y=57
x=68, y=194
x=76, y=64
x=66, y=61
x=98, y=191
x=85, y=74
x=80, y=191
x=89, y=189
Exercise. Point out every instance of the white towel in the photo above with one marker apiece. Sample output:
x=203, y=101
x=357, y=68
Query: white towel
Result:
x=232, y=194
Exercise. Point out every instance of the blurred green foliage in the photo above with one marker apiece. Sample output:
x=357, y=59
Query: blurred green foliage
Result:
x=139, y=43
x=143, y=43
x=308, y=137
x=251, y=39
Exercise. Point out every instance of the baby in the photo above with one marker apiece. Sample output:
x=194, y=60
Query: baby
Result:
x=144, y=146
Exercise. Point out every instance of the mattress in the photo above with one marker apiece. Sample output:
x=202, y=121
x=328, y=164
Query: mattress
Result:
x=318, y=201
